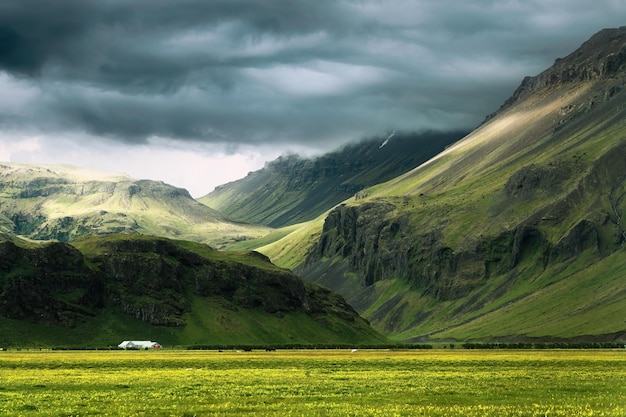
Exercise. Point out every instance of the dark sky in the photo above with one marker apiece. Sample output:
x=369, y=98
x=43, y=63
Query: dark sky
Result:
x=188, y=90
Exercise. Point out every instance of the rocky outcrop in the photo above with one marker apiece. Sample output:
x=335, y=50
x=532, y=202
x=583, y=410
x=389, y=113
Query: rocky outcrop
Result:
x=151, y=279
x=377, y=246
x=531, y=179
x=66, y=228
x=603, y=57
x=48, y=284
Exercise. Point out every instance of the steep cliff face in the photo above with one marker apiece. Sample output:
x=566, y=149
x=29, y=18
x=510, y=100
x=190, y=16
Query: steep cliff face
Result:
x=292, y=189
x=48, y=284
x=378, y=248
x=152, y=280
x=158, y=282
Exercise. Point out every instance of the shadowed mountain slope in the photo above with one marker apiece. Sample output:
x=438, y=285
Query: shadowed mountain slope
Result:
x=292, y=189
x=514, y=232
x=102, y=290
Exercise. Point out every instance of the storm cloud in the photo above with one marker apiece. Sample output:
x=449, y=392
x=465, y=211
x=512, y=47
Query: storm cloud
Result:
x=276, y=71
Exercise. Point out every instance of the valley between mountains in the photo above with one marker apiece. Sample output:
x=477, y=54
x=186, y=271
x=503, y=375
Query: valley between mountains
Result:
x=511, y=232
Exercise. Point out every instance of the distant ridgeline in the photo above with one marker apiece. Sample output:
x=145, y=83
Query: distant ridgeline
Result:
x=63, y=202
x=292, y=189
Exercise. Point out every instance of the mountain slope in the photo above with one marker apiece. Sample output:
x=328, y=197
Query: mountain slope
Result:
x=63, y=202
x=530, y=202
x=291, y=189
x=105, y=289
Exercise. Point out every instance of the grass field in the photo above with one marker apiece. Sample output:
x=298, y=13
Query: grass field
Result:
x=314, y=382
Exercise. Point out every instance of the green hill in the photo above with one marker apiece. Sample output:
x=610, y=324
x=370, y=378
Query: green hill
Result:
x=292, y=189
x=63, y=202
x=515, y=232
x=105, y=289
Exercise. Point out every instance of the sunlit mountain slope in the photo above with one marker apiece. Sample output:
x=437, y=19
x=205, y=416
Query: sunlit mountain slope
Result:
x=516, y=231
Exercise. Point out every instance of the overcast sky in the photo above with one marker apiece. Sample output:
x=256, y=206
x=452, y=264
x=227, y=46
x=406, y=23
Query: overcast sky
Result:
x=199, y=92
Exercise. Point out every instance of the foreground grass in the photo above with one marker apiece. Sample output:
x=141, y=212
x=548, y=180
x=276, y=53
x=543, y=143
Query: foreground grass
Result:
x=364, y=383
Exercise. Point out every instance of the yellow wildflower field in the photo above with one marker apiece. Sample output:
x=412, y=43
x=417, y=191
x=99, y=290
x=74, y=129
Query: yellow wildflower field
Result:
x=314, y=383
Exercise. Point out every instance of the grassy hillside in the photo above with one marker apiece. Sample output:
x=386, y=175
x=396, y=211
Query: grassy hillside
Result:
x=516, y=231
x=292, y=190
x=107, y=289
x=291, y=250
x=62, y=202
x=214, y=325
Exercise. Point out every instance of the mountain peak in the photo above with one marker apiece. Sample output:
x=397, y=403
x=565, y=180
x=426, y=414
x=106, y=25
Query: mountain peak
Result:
x=610, y=37
x=603, y=56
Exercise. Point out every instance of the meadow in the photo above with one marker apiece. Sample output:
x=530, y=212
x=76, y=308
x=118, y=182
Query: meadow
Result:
x=440, y=382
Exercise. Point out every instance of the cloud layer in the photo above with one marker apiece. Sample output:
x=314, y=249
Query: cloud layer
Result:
x=273, y=72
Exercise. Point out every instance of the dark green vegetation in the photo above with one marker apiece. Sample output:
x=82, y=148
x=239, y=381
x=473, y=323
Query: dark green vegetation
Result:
x=314, y=383
x=62, y=202
x=102, y=290
x=291, y=189
x=514, y=233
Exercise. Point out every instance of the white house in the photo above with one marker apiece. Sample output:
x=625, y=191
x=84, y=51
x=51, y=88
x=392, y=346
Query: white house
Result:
x=138, y=344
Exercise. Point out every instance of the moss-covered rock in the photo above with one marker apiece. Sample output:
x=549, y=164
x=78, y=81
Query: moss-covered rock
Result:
x=155, y=281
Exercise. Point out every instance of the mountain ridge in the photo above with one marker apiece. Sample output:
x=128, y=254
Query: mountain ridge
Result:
x=62, y=203
x=594, y=59
x=292, y=189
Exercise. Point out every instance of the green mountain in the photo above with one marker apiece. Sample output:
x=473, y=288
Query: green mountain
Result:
x=292, y=189
x=63, y=202
x=515, y=232
x=101, y=290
